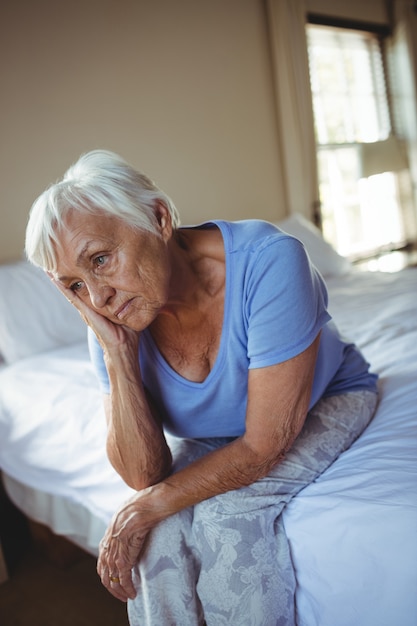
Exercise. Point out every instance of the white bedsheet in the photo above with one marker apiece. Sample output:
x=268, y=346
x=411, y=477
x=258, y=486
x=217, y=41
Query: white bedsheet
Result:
x=353, y=532
x=53, y=430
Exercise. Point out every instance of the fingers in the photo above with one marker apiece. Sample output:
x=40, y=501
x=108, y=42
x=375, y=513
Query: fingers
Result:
x=121, y=586
x=115, y=570
x=87, y=313
x=68, y=293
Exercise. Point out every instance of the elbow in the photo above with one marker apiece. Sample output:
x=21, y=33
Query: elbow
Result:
x=278, y=440
x=139, y=473
x=266, y=452
x=137, y=482
x=260, y=460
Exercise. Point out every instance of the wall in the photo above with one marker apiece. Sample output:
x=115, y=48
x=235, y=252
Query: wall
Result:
x=404, y=78
x=181, y=89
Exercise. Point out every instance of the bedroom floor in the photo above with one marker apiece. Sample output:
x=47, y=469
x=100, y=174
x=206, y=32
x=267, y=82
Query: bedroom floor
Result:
x=58, y=588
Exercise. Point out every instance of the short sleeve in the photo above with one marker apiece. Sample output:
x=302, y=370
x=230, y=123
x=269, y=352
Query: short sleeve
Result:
x=286, y=302
x=97, y=359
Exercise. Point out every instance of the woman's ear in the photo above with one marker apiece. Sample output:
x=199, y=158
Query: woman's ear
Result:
x=164, y=220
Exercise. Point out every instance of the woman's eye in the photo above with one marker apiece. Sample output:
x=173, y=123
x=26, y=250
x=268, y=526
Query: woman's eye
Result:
x=100, y=260
x=76, y=286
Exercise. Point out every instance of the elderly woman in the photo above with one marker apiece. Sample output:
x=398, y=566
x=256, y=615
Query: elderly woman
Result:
x=227, y=389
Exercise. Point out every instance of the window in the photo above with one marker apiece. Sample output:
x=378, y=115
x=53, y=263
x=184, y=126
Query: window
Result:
x=359, y=186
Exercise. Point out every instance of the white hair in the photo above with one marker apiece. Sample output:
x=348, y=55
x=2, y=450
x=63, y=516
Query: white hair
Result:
x=99, y=182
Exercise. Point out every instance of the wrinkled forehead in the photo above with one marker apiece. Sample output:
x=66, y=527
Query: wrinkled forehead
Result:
x=78, y=233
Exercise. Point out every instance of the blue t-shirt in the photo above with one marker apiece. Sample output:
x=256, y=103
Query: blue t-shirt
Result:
x=275, y=305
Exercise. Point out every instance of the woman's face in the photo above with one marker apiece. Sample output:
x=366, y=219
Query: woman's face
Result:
x=121, y=273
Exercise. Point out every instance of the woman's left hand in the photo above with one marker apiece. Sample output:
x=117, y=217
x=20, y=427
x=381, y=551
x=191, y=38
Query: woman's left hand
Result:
x=121, y=546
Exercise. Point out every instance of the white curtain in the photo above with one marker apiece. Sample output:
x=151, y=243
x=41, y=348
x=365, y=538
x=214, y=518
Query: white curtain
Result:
x=403, y=79
x=286, y=20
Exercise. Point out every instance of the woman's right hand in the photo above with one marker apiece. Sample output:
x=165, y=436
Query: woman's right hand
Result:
x=107, y=332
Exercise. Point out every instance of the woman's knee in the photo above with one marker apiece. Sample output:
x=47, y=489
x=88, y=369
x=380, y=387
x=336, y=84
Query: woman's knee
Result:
x=167, y=538
x=331, y=427
x=345, y=416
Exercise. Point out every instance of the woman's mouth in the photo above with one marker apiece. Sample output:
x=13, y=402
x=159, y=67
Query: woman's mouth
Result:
x=121, y=311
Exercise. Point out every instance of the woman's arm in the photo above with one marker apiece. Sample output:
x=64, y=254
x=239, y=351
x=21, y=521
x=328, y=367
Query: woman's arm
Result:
x=278, y=399
x=136, y=445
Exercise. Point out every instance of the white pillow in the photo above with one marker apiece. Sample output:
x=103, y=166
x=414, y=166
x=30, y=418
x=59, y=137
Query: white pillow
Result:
x=34, y=315
x=321, y=253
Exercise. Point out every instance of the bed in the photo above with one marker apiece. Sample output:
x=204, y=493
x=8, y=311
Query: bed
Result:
x=353, y=532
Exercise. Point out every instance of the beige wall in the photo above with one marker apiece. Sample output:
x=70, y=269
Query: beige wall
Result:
x=180, y=88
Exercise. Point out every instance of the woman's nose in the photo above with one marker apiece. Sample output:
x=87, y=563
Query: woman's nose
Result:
x=100, y=294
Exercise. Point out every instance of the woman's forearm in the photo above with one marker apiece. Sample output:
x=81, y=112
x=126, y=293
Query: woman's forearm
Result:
x=136, y=444
x=230, y=467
